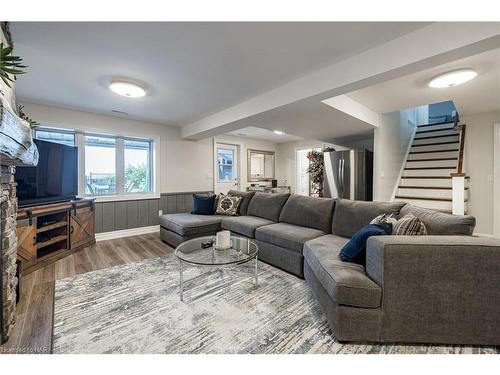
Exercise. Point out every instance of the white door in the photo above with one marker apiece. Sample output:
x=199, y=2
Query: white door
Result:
x=303, y=183
x=226, y=168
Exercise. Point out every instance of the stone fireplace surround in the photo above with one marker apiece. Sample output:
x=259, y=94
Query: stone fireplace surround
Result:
x=8, y=210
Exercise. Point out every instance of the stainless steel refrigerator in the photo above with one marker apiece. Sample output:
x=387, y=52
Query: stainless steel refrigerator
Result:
x=348, y=174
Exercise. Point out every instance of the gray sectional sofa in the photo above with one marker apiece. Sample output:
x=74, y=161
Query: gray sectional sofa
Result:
x=439, y=288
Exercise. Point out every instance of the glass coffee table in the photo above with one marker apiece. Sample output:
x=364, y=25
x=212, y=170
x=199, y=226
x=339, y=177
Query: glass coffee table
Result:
x=200, y=252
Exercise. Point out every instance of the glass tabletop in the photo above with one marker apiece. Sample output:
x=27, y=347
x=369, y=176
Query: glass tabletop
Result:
x=191, y=251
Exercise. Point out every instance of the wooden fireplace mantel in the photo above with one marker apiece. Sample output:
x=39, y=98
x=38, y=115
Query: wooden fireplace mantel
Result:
x=16, y=142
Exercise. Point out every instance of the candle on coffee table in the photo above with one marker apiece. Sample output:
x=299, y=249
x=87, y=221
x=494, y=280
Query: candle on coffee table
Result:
x=223, y=239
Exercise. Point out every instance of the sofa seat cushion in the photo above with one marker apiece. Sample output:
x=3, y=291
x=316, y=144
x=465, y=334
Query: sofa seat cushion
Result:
x=244, y=225
x=289, y=236
x=186, y=224
x=346, y=283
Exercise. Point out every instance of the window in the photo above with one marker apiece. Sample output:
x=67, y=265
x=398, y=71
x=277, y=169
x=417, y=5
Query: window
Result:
x=57, y=136
x=225, y=162
x=100, y=165
x=137, y=160
x=111, y=165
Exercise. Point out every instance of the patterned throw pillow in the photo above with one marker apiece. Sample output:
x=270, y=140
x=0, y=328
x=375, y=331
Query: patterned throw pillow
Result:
x=390, y=218
x=228, y=205
x=409, y=225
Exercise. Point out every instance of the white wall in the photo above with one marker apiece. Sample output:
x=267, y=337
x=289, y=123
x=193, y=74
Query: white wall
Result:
x=286, y=166
x=479, y=147
x=391, y=141
x=184, y=165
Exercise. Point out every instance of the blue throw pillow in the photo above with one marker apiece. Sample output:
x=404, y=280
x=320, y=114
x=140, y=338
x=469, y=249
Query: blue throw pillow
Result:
x=203, y=204
x=355, y=250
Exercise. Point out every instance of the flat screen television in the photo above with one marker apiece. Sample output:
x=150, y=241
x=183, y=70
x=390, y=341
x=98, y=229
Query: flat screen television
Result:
x=54, y=179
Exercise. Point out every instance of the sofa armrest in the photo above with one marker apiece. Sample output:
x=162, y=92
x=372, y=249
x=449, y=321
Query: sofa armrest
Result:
x=431, y=257
x=441, y=289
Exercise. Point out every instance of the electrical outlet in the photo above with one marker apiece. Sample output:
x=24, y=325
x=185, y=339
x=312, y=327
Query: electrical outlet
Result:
x=160, y=212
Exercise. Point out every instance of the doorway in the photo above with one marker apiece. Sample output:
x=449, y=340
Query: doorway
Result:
x=303, y=181
x=496, y=181
x=227, y=171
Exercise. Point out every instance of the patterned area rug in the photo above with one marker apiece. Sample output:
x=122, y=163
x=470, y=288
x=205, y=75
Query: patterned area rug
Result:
x=135, y=308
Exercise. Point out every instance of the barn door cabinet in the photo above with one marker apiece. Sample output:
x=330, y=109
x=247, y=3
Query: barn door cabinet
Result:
x=50, y=232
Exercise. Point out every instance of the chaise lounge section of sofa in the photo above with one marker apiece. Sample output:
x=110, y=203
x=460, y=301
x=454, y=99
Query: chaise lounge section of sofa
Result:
x=440, y=288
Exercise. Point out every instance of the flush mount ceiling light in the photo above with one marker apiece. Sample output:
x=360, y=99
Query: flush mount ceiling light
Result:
x=455, y=78
x=127, y=89
x=277, y=132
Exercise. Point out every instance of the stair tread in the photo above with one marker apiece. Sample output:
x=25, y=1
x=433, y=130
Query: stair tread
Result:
x=440, y=177
x=426, y=198
x=435, y=144
x=435, y=130
x=437, y=136
x=436, y=159
x=417, y=168
x=427, y=187
x=436, y=123
x=430, y=152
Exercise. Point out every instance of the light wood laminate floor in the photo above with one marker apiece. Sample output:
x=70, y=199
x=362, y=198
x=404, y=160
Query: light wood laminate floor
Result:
x=33, y=330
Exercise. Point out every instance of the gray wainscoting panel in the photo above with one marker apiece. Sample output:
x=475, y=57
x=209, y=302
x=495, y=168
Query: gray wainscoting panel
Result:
x=98, y=217
x=142, y=213
x=132, y=214
x=171, y=204
x=108, y=216
x=118, y=215
x=153, y=211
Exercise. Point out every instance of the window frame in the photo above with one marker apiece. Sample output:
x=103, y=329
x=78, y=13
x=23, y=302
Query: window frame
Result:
x=150, y=164
x=120, y=194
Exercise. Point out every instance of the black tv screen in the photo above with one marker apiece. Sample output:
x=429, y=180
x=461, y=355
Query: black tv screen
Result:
x=54, y=179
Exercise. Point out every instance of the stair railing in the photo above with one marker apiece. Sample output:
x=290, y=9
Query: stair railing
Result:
x=458, y=177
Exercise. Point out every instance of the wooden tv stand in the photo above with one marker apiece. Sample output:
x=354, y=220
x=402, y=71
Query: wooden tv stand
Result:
x=50, y=232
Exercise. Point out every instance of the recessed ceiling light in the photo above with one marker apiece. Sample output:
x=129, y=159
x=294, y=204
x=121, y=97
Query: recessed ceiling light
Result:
x=277, y=132
x=127, y=89
x=454, y=78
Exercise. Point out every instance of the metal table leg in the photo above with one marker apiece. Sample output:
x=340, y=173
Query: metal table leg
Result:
x=180, y=281
x=256, y=271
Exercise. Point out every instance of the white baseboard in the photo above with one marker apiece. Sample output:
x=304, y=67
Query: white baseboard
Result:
x=483, y=235
x=126, y=233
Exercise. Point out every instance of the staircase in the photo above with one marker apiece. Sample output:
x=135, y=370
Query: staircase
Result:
x=433, y=167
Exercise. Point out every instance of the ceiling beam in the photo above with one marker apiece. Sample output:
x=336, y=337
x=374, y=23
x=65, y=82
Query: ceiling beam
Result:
x=429, y=46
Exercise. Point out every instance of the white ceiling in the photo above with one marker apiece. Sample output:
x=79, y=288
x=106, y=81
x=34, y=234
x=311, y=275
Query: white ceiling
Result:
x=264, y=134
x=310, y=119
x=190, y=69
x=482, y=94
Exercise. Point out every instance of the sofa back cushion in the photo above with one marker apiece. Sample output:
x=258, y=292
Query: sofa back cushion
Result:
x=267, y=206
x=441, y=223
x=308, y=212
x=350, y=216
x=246, y=198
